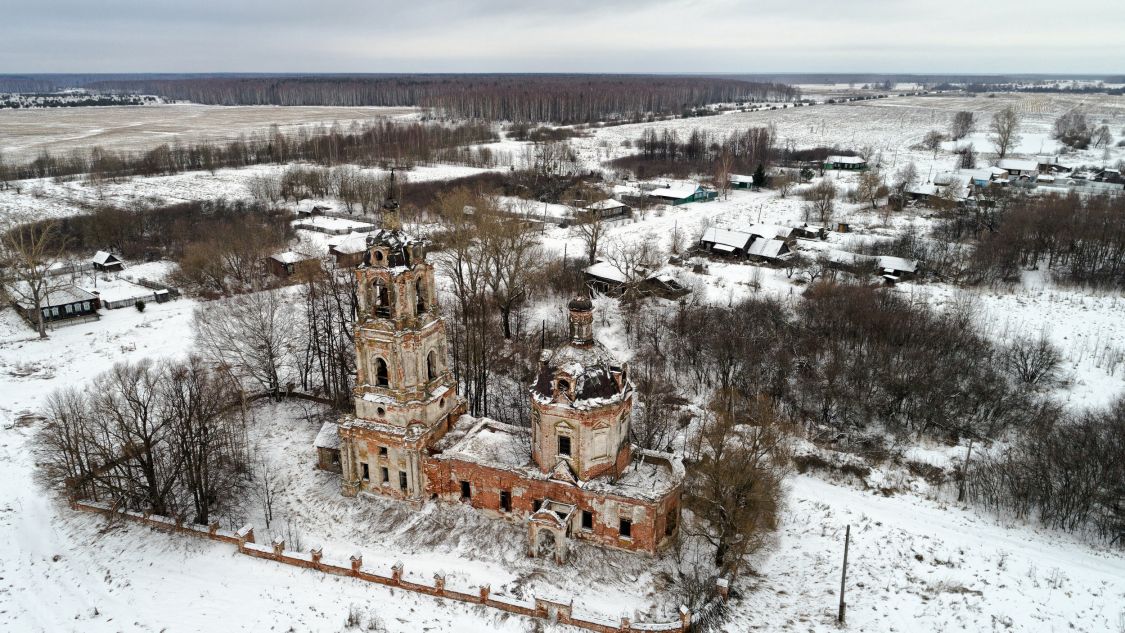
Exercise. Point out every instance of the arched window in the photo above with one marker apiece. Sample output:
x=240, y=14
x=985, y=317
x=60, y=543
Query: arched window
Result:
x=381, y=298
x=381, y=376
x=431, y=365
x=420, y=294
x=563, y=386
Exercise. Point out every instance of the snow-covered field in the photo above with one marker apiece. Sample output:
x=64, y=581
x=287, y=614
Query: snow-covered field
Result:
x=26, y=133
x=44, y=198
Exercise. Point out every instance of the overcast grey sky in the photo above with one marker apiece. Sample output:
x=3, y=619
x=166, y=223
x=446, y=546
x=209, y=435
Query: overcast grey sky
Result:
x=970, y=36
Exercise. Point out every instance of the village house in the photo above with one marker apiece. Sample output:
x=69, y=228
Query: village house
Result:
x=291, y=263
x=574, y=475
x=609, y=208
x=1020, y=167
x=759, y=242
x=106, y=262
x=605, y=278
x=59, y=304
x=676, y=195
x=851, y=163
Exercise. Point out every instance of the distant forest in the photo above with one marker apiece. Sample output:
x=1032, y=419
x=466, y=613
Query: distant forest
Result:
x=538, y=98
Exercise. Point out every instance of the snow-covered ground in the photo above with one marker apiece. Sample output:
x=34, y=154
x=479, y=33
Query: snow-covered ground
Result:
x=24, y=133
x=918, y=561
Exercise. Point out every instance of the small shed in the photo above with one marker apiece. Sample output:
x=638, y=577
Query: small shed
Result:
x=740, y=181
x=851, y=163
x=291, y=263
x=896, y=266
x=808, y=231
x=106, y=261
x=771, y=231
x=327, y=445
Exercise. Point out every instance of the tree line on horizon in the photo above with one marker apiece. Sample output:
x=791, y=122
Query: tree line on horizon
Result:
x=540, y=98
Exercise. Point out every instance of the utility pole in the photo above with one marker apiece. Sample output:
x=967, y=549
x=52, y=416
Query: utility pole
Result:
x=844, y=573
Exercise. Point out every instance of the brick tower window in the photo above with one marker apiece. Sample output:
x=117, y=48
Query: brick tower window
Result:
x=587, y=520
x=431, y=365
x=505, y=501
x=564, y=445
x=402, y=480
x=366, y=473
x=466, y=491
x=381, y=375
x=420, y=293
x=626, y=528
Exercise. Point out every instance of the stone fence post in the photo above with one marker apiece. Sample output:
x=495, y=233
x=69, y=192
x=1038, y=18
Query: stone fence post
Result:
x=396, y=573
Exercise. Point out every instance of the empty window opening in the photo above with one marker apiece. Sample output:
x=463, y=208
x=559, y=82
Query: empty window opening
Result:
x=564, y=445
x=431, y=365
x=587, y=520
x=382, y=298
x=564, y=386
x=366, y=473
x=670, y=523
x=626, y=528
x=420, y=292
x=386, y=475
x=535, y=505
x=466, y=491
x=382, y=451
x=381, y=375
x=505, y=501
x=402, y=480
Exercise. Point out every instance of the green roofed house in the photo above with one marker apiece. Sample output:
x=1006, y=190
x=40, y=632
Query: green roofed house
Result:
x=683, y=194
x=854, y=163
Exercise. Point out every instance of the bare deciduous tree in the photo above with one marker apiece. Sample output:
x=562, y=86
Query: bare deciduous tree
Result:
x=254, y=335
x=27, y=252
x=962, y=125
x=1005, y=130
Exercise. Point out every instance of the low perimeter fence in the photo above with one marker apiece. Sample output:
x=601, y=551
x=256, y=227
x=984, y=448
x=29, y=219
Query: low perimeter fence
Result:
x=553, y=611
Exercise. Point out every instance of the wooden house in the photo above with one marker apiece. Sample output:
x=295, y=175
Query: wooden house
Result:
x=850, y=163
x=60, y=304
x=719, y=241
x=292, y=263
x=676, y=195
x=609, y=208
x=106, y=261
x=1020, y=167
x=348, y=250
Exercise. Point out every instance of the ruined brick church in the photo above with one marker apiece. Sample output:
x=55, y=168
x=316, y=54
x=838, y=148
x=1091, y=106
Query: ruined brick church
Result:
x=573, y=475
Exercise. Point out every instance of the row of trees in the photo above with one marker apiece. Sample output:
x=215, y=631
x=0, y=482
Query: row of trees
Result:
x=167, y=437
x=702, y=152
x=1081, y=239
x=537, y=98
x=1066, y=472
x=373, y=143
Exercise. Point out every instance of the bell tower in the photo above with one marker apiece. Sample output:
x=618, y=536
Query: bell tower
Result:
x=405, y=394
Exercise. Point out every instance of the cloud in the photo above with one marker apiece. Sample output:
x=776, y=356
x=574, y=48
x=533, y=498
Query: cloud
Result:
x=562, y=36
